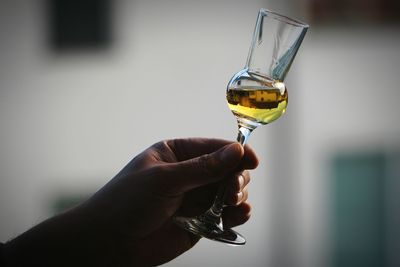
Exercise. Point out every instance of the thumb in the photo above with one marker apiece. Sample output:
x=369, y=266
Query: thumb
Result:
x=205, y=169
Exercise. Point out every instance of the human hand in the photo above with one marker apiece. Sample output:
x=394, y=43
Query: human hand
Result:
x=134, y=210
x=129, y=221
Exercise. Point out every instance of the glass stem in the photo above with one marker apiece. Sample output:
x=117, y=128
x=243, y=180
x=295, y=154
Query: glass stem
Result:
x=243, y=135
x=213, y=215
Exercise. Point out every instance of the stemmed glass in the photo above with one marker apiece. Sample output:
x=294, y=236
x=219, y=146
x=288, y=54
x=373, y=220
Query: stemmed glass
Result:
x=256, y=95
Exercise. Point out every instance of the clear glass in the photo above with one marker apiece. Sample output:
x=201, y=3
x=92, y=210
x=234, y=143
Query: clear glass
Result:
x=256, y=95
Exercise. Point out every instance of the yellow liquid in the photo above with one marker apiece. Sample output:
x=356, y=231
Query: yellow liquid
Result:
x=258, y=104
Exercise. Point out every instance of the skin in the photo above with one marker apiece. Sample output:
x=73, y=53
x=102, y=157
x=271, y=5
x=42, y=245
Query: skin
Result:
x=129, y=222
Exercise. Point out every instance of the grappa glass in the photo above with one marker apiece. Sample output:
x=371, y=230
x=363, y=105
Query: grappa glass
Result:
x=256, y=95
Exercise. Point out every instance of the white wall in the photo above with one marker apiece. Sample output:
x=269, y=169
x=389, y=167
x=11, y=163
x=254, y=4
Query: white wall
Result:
x=349, y=97
x=70, y=122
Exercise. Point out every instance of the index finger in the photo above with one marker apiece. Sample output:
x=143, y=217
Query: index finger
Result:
x=189, y=148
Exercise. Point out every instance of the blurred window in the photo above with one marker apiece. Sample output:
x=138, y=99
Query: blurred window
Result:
x=355, y=11
x=79, y=24
x=365, y=211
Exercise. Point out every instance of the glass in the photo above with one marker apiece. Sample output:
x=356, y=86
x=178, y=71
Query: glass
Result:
x=256, y=95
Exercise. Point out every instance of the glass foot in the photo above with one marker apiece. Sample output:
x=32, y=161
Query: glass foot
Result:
x=210, y=230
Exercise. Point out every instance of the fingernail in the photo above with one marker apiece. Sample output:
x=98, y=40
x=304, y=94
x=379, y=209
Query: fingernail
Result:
x=239, y=197
x=229, y=153
x=241, y=181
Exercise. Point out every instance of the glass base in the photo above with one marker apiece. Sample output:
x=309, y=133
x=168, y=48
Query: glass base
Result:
x=210, y=230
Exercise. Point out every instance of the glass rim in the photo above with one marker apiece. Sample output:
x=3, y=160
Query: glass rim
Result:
x=284, y=18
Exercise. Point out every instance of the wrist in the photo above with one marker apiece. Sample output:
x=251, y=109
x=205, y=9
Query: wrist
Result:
x=2, y=260
x=68, y=239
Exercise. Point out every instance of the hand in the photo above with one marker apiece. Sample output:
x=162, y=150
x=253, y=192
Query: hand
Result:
x=129, y=222
x=137, y=206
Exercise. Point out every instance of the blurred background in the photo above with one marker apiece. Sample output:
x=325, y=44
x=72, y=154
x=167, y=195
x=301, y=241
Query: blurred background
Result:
x=85, y=86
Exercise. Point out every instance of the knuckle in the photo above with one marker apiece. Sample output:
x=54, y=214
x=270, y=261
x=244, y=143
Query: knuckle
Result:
x=246, y=176
x=245, y=195
x=241, y=182
x=239, y=198
x=161, y=145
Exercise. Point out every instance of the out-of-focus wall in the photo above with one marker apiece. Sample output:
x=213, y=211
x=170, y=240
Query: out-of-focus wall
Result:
x=348, y=102
x=70, y=121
